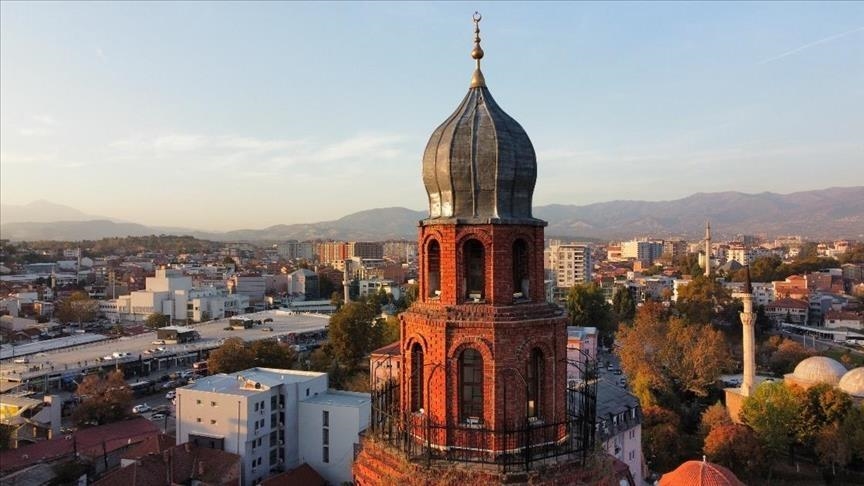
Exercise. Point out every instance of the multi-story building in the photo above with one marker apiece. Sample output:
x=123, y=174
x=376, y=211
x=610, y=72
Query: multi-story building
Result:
x=165, y=293
x=366, y=249
x=252, y=286
x=738, y=252
x=275, y=420
x=644, y=250
x=786, y=310
x=674, y=249
x=303, y=283
x=569, y=265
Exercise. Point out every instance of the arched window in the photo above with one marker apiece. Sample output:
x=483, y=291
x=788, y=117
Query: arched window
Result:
x=416, y=377
x=535, y=383
x=475, y=269
x=433, y=269
x=520, y=270
x=470, y=385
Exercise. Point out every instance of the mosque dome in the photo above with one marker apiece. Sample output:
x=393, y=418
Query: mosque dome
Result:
x=700, y=473
x=479, y=166
x=818, y=369
x=853, y=382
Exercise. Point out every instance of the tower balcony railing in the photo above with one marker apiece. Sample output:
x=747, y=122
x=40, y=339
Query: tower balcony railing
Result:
x=520, y=446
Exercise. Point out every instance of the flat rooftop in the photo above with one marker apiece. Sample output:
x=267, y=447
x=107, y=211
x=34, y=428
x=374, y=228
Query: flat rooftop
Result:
x=233, y=384
x=340, y=398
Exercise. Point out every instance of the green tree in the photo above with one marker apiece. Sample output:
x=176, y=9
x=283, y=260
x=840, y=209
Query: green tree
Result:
x=233, y=355
x=77, y=308
x=157, y=320
x=586, y=306
x=831, y=448
x=852, y=431
x=623, y=305
x=353, y=332
x=698, y=300
x=103, y=400
x=6, y=432
x=822, y=405
x=270, y=354
x=771, y=412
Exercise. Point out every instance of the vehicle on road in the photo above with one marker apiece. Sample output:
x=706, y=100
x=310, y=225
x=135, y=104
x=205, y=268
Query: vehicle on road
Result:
x=21, y=360
x=141, y=408
x=158, y=341
x=158, y=416
x=616, y=371
x=170, y=395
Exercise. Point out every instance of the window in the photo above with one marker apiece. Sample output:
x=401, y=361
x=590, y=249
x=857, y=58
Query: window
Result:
x=256, y=406
x=197, y=402
x=198, y=420
x=535, y=382
x=325, y=455
x=307, y=392
x=520, y=270
x=433, y=269
x=325, y=437
x=475, y=269
x=212, y=421
x=416, y=377
x=325, y=418
x=259, y=441
x=212, y=404
x=470, y=385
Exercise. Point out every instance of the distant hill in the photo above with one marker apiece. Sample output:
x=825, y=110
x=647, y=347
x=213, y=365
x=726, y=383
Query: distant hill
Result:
x=42, y=211
x=821, y=214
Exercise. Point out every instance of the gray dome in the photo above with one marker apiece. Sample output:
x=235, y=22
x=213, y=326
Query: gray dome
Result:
x=479, y=165
x=819, y=369
x=853, y=382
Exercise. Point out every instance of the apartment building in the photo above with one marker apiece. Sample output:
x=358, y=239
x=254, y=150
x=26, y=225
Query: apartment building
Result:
x=275, y=420
x=569, y=265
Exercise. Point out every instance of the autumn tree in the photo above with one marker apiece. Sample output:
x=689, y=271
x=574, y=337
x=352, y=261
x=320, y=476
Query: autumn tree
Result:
x=831, y=448
x=103, y=400
x=852, y=431
x=736, y=447
x=268, y=353
x=77, y=308
x=661, y=438
x=666, y=360
x=586, y=306
x=771, y=412
x=713, y=417
x=233, y=355
x=787, y=355
x=821, y=405
x=157, y=320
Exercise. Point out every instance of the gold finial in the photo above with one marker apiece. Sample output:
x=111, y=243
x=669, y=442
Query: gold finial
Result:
x=477, y=79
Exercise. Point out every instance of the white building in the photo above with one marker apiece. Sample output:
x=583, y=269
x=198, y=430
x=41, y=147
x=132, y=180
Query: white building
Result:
x=275, y=420
x=166, y=293
x=569, y=265
x=644, y=250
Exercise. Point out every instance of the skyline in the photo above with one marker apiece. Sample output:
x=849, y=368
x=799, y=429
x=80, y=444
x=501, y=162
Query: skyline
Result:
x=228, y=116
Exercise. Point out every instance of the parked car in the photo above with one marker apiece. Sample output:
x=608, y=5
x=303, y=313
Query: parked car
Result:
x=141, y=408
x=21, y=360
x=170, y=395
x=158, y=416
x=158, y=341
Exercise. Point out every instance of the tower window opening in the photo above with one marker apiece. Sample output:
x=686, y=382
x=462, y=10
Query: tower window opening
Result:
x=521, y=281
x=475, y=270
x=433, y=269
x=535, y=383
x=416, y=377
x=471, y=386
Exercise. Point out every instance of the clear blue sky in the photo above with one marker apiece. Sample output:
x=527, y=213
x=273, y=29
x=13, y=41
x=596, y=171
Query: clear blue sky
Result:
x=226, y=116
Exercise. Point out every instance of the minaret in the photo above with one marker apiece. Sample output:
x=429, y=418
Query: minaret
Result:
x=708, y=249
x=749, y=337
x=346, y=281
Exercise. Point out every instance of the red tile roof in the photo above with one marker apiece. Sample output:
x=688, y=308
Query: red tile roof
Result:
x=88, y=442
x=303, y=475
x=700, y=473
x=182, y=464
x=787, y=303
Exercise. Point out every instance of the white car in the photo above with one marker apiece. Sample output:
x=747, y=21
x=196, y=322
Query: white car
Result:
x=158, y=416
x=170, y=395
x=141, y=408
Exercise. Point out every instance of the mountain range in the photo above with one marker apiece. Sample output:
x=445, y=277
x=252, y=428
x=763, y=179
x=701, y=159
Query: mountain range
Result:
x=836, y=212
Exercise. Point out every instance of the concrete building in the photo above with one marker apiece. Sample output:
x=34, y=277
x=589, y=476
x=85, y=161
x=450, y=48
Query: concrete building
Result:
x=365, y=249
x=788, y=310
x=644, y=250
x=252, y=286
x=619, y=426
x=166, y=293
x=303, y=283
x=569, y=265
x=259, y=415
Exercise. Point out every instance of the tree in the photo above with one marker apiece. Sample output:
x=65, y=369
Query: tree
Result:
x=831, y=447
x=770, y=412
x=78, y=308
x=232, y=356
x=6, y=432
x=157, y=320
x=270, y=354
x=623, y=305
x=586, y=306
x=661, y=438
x=666, y=359
x=852, y=431
x=353, y=332
x=788, y=354
x=698, y=299
x=103, y=400
x=822, y=405
x=714, y=416
x=736, y=447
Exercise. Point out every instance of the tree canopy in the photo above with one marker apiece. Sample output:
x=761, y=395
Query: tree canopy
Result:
x=77, y=308
x=586, y=306
x=103, y=400
x=237, y=355
x=157, y=320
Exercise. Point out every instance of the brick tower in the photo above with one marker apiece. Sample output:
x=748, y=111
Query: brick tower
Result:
x=482, y=361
